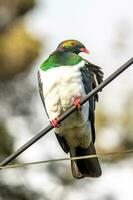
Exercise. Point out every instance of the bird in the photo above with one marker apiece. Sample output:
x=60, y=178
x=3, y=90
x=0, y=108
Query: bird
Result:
x=64, y=78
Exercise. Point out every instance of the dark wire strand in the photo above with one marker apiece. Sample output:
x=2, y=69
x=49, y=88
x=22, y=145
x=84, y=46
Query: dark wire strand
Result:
x=66, y=114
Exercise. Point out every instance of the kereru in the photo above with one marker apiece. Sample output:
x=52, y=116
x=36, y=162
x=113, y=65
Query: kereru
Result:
x=64, y=78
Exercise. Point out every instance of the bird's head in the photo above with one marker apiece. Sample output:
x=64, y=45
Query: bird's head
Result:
x=73, y=46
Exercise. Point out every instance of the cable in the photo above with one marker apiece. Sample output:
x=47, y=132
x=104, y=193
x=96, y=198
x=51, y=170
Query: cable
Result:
x=67, y=113
x=129, y=151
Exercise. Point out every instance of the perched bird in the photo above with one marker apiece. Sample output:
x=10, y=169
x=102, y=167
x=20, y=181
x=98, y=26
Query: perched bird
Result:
x=64, y=78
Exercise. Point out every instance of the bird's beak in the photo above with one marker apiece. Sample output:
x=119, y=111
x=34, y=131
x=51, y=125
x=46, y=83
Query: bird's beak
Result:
x=84, y=50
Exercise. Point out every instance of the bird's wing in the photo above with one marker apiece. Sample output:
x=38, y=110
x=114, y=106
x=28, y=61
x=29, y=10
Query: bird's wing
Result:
x=63, y=143
x=91, y=77
x=40, y=85
x=61, y=140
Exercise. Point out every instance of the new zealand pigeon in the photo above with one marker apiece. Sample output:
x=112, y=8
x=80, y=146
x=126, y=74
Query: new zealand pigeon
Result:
x=64, y=78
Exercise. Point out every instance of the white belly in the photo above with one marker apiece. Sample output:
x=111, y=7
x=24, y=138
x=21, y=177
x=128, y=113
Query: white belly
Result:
x=60, y=86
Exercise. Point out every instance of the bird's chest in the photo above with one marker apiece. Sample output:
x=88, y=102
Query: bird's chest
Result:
x=64, y=80
x=60, y=86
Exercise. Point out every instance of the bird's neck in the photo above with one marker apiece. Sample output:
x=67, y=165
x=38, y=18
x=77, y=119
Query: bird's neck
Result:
x=58, y=58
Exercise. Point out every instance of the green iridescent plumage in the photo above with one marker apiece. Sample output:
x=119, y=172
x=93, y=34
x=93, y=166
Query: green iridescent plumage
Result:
x=59, y=58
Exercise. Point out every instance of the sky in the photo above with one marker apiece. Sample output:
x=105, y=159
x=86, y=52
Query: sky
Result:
x=92, y=22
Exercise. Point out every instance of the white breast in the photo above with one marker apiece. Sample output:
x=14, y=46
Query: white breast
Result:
x=60, y=86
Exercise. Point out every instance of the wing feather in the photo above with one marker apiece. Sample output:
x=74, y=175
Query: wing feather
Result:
x=91, y=77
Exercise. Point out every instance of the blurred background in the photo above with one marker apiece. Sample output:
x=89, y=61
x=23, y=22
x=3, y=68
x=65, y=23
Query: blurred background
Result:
x=29, y=32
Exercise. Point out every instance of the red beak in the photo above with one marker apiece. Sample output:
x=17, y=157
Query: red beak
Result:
x=84, y=50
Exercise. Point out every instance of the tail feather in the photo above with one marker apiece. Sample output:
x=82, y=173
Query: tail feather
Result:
x=86, y=167
x=75, y=171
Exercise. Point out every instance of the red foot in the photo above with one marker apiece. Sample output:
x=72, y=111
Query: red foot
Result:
x=54, y=122
x=77, y=103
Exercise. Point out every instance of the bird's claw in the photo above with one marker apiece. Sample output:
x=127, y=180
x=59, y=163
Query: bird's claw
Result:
x=55, y=122
x=77, y=103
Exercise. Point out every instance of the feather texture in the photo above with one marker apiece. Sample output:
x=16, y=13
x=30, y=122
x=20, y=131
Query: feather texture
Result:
x=57, y=86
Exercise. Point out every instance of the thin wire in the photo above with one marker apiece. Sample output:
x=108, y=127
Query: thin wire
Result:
x=67, y=113
x=100, y=155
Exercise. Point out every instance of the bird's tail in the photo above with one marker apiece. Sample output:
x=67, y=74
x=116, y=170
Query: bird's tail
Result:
x=86, y=167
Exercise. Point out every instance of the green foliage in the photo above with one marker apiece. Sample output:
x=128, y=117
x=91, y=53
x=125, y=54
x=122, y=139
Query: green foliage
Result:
x=120, y=124
x=6, y=142
x=126, y=121
x=18, y=51
x=102, y=118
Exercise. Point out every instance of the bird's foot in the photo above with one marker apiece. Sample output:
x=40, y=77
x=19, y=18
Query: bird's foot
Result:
x=77, y=102
x=55, y=122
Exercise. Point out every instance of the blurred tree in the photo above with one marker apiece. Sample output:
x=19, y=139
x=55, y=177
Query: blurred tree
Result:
x=122, y=37
x=61, y=173
x=18, y=51
x=11, y=10
x=9, y=192
x=126, y=122
x=102, y=118
x=6, y=142
x=119, y=127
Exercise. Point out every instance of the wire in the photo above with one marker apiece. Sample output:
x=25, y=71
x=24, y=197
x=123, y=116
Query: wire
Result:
x=129, y=151
x=67, y=113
